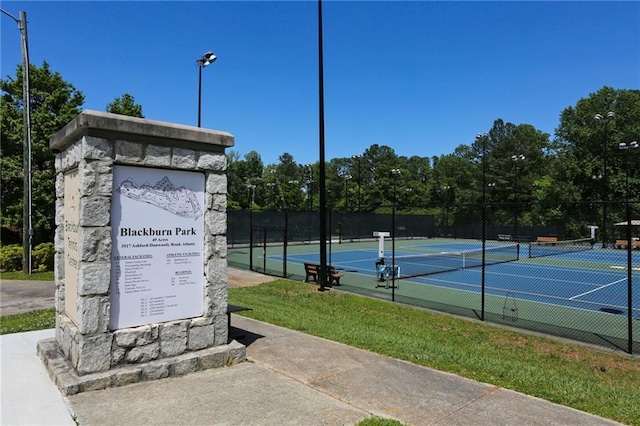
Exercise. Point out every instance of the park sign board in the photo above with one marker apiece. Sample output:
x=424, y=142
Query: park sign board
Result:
x=157, y=230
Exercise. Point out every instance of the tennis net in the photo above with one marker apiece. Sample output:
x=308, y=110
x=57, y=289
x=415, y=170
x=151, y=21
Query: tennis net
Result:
x=434, y=263
x=539, y=249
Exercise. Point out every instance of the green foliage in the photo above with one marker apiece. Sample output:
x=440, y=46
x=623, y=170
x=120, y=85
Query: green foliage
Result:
x=30, y=321
x=451, y=186
x=54, y=102
x=125, y=105
x=595, y=381
x=11, y=257
x=42, y=256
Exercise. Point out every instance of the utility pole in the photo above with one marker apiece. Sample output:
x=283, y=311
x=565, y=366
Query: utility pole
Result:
x=27, y=229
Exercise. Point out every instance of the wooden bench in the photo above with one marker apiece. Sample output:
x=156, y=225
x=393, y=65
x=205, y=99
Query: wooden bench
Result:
x=621, y=244
x=547, y=240
x=635, y=244
x=504, y=237
x=313, y=270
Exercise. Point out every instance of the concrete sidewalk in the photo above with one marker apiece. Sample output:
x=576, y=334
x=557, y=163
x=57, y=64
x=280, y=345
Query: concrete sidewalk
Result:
x=291, y=379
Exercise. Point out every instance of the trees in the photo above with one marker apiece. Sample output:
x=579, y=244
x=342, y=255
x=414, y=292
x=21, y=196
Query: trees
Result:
x=54, y=102
x=591, y=165
x=125, y=105
x=243, y=178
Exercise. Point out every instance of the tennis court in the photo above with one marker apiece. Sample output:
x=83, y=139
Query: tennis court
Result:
x=603, y=286
x=584, y=292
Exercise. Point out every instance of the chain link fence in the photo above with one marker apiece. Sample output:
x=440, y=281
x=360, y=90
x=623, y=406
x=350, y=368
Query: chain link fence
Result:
x=565, y=269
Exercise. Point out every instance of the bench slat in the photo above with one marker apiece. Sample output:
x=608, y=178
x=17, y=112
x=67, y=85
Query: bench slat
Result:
x=549, y=240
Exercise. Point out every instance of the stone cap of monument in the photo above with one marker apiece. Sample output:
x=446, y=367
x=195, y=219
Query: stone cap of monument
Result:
x=121, y=127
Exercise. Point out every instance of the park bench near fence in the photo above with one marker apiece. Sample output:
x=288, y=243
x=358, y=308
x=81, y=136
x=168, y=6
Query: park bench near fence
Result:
x=547, y=240
x=635, y=244
x=313, y=270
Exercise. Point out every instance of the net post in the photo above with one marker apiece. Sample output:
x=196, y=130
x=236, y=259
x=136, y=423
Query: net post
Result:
x=251, y=239
x=264, y=250
x=284, y=248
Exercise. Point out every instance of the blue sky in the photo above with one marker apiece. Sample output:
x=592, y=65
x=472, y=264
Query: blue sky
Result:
x=420, y=77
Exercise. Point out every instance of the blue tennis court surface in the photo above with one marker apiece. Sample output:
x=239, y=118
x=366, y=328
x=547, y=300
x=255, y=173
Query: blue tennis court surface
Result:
x=595, y=280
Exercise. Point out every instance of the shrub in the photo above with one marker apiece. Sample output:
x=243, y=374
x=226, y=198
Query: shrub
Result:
x=42, y=257
x=11, y=257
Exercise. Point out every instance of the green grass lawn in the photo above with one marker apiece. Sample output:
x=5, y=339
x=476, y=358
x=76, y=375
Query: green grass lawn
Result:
x=595, y=381
x=29, y=321
x=602, y=383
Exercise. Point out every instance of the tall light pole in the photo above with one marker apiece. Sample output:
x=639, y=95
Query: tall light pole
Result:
x=204, y=61
x=395, y=173
x=346, y=192
x=296, y=183
x=308, y=182
x=628, y=148
x=605, y=184
x=445, y=190
x=252, y=192
x=357, y=158
x=27, y=229
x=321, y=162
x=483, y=139
x=516, y=159
x=272, y=185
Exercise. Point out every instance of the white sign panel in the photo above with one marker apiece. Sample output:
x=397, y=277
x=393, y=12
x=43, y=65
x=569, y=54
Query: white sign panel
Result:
x=157, y=230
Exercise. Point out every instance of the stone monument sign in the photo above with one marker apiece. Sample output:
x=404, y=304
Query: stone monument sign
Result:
x=140, y=266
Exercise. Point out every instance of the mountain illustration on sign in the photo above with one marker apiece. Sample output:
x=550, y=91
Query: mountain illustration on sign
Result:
x=179, y=201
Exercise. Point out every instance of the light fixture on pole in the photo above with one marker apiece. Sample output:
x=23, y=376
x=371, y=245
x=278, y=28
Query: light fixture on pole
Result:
x=27, y=228
x=273, y=185
x=598, y=118
x=346, y=192
x=628, y=148
x=204, y=61
x=483, y=139
x=308, y=182
x=252, y=194
x=445, y=191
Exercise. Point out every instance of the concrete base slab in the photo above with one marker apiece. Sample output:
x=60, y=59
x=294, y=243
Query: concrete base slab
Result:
x=70, y=383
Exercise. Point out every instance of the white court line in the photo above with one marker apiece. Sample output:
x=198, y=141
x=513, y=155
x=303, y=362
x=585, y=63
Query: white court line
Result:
x=596, y=289
x=623, y=267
